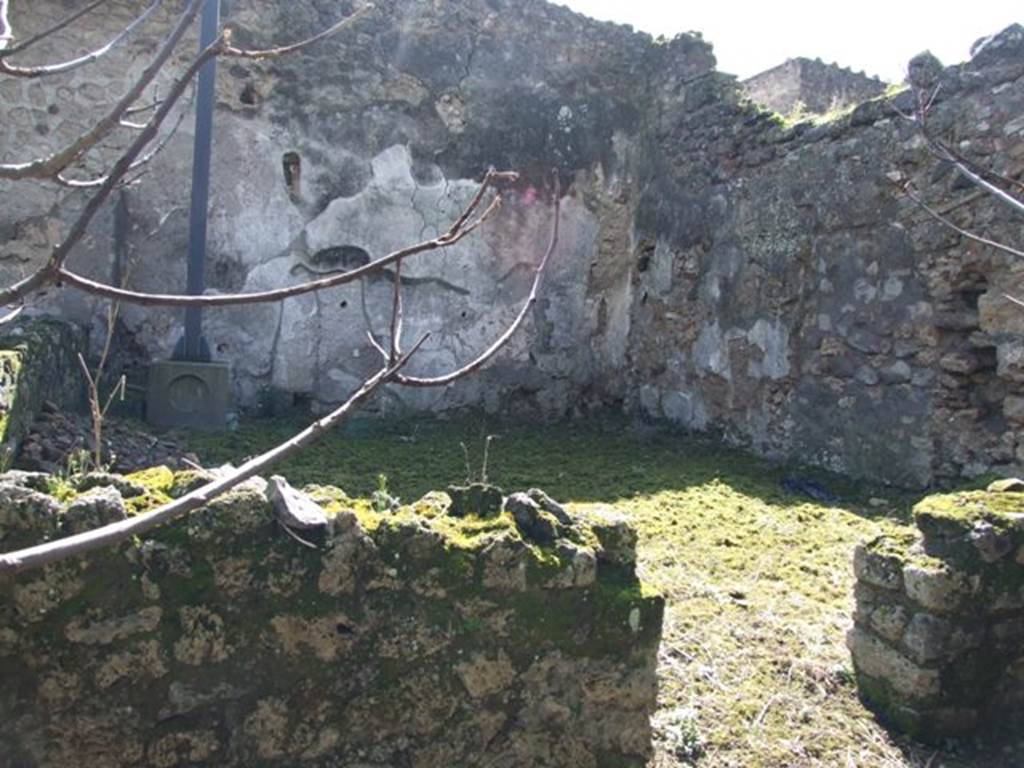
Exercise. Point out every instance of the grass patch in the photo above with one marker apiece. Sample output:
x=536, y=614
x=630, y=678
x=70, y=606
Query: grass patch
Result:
x=754, y=671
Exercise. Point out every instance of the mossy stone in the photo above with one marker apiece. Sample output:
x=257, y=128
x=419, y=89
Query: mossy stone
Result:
x=476, y=499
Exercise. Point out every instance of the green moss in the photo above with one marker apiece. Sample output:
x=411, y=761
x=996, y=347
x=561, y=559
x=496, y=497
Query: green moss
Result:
x=186, y=481
x=613, y=617
x=159, y=479
x=956, y=513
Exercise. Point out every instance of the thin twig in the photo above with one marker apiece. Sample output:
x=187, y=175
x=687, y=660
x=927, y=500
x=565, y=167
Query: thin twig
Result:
x=296, y=536
x=271, y=53
x=487, y=458
x=142, y=161
x=909, y=192
x=11, y=315
x=80, y=61
x=48, y=167
x=396, y=316
x=961, y=164
x=6, y=32
x=465, y=455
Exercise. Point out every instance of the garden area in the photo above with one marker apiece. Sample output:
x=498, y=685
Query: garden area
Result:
x=753, y=668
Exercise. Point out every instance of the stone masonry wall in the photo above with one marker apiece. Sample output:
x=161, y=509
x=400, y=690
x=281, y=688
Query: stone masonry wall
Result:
x=718, y=269
x=938, y=641
x=788, y=294
x=409, y=637
x=810, y=86
x=38, y=363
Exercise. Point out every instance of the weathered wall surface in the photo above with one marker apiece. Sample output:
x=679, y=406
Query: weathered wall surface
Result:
x=940, y=616
x=788, y=294
x=408, y=637
x=717, y=269
x=391, y=126
x=38, y=363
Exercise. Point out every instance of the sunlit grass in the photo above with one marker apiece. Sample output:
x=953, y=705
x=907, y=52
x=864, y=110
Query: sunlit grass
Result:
x=754, y=672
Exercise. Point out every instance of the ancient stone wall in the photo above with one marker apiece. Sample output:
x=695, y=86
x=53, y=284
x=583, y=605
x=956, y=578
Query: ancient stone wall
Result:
x=939, y=632
x=717, y=268
x=400, y=637
x=787, y=293
x=810, y=86
x=38, y=364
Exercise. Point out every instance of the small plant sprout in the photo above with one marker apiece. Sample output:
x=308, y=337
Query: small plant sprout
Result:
x=482, y=476
x=487, y=456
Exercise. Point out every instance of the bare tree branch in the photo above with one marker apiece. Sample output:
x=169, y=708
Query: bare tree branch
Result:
x=63, y=24
x=982, y=171
x=996, y=192
x=909, y=192
x=123, y=530
x=55, y=270
x=63, y=180
x=491, y=351
x=963, y=166
x=272, y=53
x=51, y=272
x=80, y=61
x=175, y=300
x=6, y=34
x=396, y=317
x=11, y=315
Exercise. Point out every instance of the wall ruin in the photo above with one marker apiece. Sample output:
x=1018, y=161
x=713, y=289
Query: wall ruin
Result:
x=718, y=269
x=940, y=615
x=405, y=637
x=810, y=86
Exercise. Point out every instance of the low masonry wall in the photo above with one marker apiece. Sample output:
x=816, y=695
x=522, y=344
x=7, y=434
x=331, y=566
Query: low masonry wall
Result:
x=409, y=637
x=38, y=363
x=938, y=641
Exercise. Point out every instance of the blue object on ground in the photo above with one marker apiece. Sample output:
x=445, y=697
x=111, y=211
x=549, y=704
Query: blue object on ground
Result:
x=801, y=486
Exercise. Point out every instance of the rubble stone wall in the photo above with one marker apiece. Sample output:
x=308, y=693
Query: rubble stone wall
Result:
x=400, y=637
x=810, y=86
x=38, y=364
x=938, y=641
x=717, y=268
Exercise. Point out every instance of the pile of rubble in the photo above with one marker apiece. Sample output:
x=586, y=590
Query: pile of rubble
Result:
x=57, y=439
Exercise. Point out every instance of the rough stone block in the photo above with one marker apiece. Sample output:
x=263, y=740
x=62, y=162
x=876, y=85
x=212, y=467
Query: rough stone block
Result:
x=879, y=660
x=930, y=638
x=888, y=621
x=880, y=563
x=936, y=588
x=938, y=656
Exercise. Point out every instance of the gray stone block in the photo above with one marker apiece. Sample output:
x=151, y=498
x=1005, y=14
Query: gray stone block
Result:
x=187, y=394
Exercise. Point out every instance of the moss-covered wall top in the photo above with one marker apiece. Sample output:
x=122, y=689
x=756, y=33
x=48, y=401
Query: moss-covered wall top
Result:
x=938, y=641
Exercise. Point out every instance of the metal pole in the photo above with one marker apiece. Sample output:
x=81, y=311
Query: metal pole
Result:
x=193, y=346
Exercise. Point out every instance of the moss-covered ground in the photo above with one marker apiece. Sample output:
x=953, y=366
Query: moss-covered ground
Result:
x=754, y=671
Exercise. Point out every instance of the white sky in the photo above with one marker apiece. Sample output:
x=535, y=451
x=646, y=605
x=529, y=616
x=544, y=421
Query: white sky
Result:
x=876, y=36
